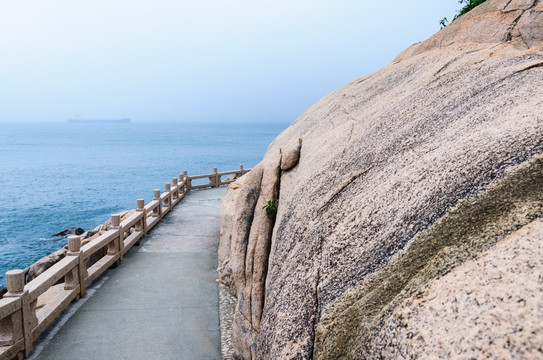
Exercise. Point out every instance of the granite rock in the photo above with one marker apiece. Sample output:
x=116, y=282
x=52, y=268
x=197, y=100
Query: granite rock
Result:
x=409, y=180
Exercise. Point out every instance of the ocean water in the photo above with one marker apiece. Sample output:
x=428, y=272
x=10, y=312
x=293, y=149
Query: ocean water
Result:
x=59, y=175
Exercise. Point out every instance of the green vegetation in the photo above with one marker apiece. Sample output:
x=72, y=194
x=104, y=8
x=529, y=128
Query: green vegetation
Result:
x=469, y=4
x=271, y=206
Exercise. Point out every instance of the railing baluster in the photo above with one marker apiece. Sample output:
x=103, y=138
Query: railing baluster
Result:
x=115, y=247
x=188, y=184
x=175, y=194
x=15, y=281
x=215, y=178
x=75, y=248
x=77, y=275
x=11, y=325
x=157, y=212
x=168, y=199
x=73, y=277
x=142, y=224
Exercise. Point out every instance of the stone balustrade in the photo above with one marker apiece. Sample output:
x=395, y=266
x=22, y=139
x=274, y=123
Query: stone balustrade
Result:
x=21, y=321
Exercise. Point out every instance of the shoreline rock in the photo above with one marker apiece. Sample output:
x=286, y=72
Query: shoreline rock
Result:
x=40, y=266
x=70, y=231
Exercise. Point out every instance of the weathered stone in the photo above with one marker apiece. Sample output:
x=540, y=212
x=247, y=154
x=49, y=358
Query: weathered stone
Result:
x=530, y=26
x=467, y=230
x=406, y=175
x=496, y=297
x=227, y=212
x=251, y=238
x=290, y=155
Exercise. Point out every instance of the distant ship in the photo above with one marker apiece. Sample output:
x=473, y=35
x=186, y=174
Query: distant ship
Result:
x=98, y=121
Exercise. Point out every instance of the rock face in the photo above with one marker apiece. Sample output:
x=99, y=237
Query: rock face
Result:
x=410, y=204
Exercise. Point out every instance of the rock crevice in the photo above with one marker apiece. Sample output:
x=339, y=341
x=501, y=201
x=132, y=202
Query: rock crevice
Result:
x=244, y=260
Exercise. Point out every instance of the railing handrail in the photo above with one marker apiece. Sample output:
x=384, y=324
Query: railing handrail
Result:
x=151, y=205
x=96, y=244
x=20, y=320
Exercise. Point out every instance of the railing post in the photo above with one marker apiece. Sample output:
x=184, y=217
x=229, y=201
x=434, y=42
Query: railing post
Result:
x=188, y=182
x=116, y=246
x=115, y=221
x=175, y=194
x=11, y=327
x=15, y=282
x=214, y=178
x=157, y=211
x=142, y=224
x=181, y=188
x=75, y=276
x=168, y=200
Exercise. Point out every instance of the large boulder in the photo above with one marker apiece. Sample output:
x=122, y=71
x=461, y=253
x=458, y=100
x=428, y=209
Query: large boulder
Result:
x=409, y=206
x=40, y=266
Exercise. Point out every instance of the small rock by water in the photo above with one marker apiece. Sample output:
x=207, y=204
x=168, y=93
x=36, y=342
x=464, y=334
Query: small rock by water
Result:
x=70, y=231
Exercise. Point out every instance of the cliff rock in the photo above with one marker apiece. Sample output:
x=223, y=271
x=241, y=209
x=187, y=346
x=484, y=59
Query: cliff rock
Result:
x=410, y=204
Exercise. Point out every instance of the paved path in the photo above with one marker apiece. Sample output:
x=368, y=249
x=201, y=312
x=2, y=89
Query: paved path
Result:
x=161, y=302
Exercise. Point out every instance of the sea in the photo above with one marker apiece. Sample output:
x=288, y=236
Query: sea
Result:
x=54, y=176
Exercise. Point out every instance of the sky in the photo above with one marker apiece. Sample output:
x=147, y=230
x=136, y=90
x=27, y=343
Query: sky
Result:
x=195, y=61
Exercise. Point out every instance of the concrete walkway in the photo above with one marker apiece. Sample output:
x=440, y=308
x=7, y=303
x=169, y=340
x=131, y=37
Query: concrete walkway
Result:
x=161, y=302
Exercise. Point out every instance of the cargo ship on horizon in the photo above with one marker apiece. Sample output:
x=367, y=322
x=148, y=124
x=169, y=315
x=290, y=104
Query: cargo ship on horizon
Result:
x=99, y=120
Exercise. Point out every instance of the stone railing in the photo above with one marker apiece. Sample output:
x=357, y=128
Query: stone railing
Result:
x=22, y=320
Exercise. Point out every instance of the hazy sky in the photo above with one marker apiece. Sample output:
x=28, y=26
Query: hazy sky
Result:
x=203, y=60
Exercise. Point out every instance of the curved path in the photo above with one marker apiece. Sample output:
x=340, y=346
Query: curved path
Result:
x=161, y=302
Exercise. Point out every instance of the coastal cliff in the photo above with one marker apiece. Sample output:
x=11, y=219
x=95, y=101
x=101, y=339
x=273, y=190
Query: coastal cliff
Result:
x=409, y=207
